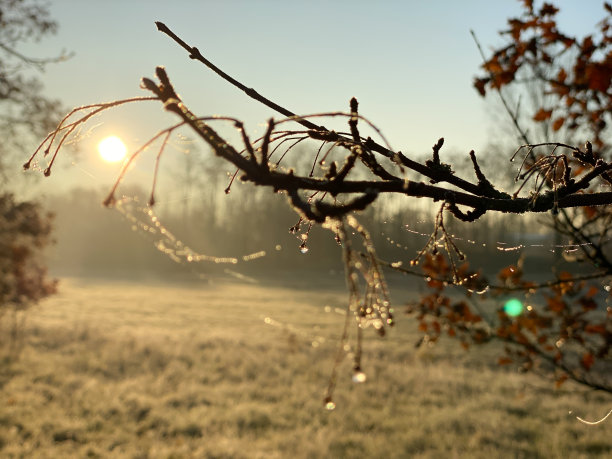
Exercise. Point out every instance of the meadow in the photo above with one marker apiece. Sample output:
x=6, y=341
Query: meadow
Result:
x=239, y=370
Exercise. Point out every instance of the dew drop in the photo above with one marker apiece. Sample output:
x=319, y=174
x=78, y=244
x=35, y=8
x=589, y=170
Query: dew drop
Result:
x=330, y=406
x=303, y=248
x=359, y=377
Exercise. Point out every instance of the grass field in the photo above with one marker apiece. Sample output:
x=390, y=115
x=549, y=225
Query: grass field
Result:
x=145, y=370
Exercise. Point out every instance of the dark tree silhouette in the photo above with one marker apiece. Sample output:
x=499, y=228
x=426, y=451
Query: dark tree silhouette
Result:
x=24, y=232
x=568, y=333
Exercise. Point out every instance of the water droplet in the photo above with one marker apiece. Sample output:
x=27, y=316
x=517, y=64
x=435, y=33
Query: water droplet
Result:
x=330, y=406
x=278, y=247
x=303, y=248
x=359, y=377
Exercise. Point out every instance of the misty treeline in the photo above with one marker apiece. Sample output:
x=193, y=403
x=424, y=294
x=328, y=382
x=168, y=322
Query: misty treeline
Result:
x=91, y=240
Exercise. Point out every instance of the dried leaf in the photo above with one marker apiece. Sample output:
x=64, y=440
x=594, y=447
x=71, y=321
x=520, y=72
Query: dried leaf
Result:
x=480, y=85
x=588, y=304
x=599, y=76
x=555, y=304
x=548, y=10
x=558, y=123
x=593, y=290
x=587, y=361
x=542, y=115
x=435, y=284
x=560, y=380
x=562, y=75
x=589, y=212
x=598, y=329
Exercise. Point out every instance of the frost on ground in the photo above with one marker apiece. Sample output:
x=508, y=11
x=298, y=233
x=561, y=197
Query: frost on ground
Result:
x=235, y=370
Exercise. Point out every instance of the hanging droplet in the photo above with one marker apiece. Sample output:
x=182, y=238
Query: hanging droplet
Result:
x=359, y=377
x=303, y=248
x=329, y=404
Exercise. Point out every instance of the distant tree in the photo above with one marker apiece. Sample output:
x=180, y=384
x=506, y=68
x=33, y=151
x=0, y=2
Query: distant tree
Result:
x=24, y=112
x=565, y=327
x=25, y=231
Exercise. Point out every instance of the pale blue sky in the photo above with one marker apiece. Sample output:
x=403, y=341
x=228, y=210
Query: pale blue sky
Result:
x=409, y=63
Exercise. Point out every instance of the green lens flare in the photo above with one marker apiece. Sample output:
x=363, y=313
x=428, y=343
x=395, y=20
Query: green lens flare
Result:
x=513, y=307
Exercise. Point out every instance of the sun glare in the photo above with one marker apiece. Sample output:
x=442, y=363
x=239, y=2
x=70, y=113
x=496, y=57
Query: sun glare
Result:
x=112, y=149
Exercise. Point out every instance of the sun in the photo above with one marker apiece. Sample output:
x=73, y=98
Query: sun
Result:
x=112, y=149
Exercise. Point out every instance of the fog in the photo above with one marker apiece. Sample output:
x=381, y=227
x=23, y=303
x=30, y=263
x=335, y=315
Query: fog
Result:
x=246, y=233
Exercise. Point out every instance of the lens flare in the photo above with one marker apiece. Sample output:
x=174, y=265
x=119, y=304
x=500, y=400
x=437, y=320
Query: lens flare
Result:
x=513, y=307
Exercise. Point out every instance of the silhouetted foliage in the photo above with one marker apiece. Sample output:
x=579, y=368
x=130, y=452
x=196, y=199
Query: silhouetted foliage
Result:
x=25, y=232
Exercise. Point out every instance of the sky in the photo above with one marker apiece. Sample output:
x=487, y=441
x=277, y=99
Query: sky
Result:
x=409, y=63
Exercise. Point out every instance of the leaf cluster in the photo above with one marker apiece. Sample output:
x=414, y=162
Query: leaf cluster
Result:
x=577, y=71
